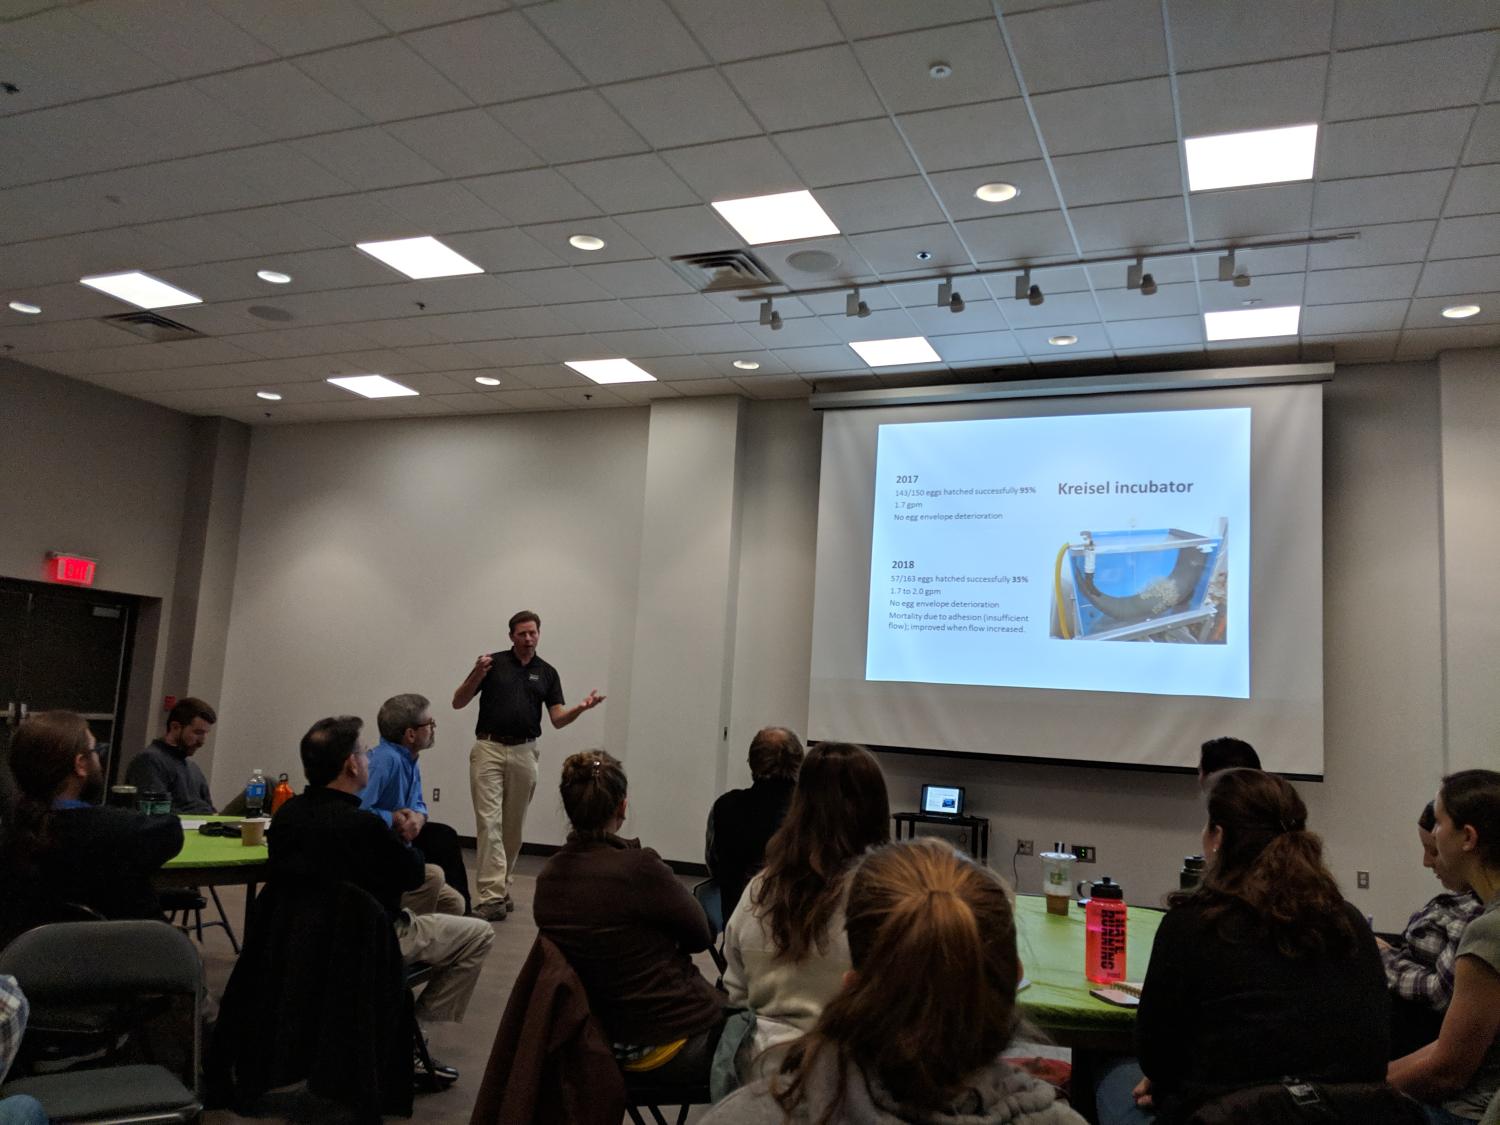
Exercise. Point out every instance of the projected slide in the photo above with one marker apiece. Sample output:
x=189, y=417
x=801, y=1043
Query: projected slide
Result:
x=1096, y=552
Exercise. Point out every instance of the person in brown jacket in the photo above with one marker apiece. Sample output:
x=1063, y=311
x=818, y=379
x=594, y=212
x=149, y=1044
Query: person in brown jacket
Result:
x=628, y=927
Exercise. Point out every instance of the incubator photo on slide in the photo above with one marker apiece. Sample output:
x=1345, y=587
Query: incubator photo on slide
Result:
x=1162, y=585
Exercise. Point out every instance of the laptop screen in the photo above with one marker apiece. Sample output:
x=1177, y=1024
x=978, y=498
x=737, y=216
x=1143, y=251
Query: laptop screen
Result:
x=943, y=800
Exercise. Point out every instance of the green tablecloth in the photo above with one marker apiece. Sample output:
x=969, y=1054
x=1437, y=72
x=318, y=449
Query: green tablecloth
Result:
x=199, y=850
x=1052, y=953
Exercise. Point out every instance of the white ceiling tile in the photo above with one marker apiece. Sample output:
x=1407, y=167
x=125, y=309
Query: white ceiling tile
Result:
x=367, y=158
x=1271, y=290
x=706, y=387
x=601, y=316
x=1475, y=191
x=314, y=340
x=1119, y=226
x=732, y=29
x=621, y=247
x=980, y=314
x=508, y=353
x=977, y=346
x=1376, y=245
x=636, y=279
x=1118, y=116
x=630, y=183
x=1214, y=33
x=402, y=15
x=536, y=196
x=677, y=312
x=495, y=58
x=1364, y=23
x=806, y=88
x=898, y=66
x=1484, y=141
x=1409, y=142
x=1432, y=74
x=1259, y=96
x=1460, y=276
x=1169, y=300
x=1367, y=283
x=649, y=343
x=966, y=136
x=467, y=143
x=889, y=324
x=578, y=125
x=711, y=338
x=772, y=386
x=186, y=37
x=881, y=205
x=655, y=107
x=1366, y=347
x=1029, y=177
x=1363, y=316
x=276, y=230
x=58, y=56
x=292, y=26
x=353, y=218
x=1467, y=237
x=69, y=140
x=1251, y=212
x=841, y=154
x=862, y=18
x=619, y=40
x=439, y=208
x=734, y=169
x=385, y=80
x=1380, y=199
x=894, y=250
x=280, y=100
x=1089, y=44
x=673, y=368
x=556, y=286
x=464, y=294
x=1424, y=343
x=1092, y=337
x=1427, y=311
x=1018, y=238
x=1058, y=308
x=1168, y=331
x=679, y=230
x=1166, y=271
x=818, y=360
x=1118, y=175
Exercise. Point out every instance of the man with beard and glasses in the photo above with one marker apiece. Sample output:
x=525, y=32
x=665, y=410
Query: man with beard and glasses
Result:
x=61, y=845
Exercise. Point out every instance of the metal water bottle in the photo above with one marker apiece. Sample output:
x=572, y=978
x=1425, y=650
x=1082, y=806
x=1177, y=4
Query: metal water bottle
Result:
x=1104, y=921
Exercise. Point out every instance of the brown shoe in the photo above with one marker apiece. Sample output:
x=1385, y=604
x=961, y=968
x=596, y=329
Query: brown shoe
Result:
x=492, y=911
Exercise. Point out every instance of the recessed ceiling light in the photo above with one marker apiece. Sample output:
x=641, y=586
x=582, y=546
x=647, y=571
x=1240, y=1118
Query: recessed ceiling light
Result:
x=269, y=396
x=586, y=242
x=888, y=353
x=486, y=380
x=783, y=217
x=1248, y=324
x=420, y=258
x=1062, y=341
x=997, y=192
x=611, y=371
x=31, y=310
x=747, y=365
x=141, y=290
x=1261, y=156
x=371, y=386
x=275, y=277
x=1452, y=312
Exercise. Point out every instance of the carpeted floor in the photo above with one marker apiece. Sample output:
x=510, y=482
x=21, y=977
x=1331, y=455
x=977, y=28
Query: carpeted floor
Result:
x=465, y=1046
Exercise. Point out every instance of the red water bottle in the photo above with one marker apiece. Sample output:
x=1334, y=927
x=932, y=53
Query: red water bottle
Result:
x=281, y=794
x=1104, y=919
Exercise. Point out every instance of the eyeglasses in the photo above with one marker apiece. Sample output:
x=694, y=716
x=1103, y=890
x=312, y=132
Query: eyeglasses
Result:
x=429, y=723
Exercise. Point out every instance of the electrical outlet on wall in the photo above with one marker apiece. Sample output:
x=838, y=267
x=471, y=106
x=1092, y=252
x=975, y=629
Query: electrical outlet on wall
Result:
x=437, y=794
x=1025, y=847
x=1085, y=853
x=1362, y=879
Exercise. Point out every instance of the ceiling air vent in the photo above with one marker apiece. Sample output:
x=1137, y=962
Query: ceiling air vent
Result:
x=153, y=326
x=723, y=271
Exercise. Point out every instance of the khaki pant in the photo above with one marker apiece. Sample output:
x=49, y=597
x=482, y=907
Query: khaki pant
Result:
x=502, y=780
x=456, y=948
x=434, y=896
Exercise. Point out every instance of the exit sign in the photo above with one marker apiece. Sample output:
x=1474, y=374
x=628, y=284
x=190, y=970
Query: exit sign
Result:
x=73, y=570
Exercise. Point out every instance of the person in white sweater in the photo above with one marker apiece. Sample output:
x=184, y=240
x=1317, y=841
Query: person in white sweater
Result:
x=784, y=943
x=884, y=1051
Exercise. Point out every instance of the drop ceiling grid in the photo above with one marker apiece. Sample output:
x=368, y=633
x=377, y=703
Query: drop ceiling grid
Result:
x=370, y=182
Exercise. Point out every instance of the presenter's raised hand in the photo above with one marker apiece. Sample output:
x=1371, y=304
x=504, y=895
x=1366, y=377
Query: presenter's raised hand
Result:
x=482, y=665
x=591, y=701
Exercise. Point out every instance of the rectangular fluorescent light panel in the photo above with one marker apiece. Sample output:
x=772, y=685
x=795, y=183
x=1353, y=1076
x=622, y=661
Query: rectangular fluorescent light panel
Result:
x=611, y=371
x=888, y=353
x=1263, y=156
x=372, y=386
x=141, y=290
x=420, y=258
x=1250, y=324
x=776, y=218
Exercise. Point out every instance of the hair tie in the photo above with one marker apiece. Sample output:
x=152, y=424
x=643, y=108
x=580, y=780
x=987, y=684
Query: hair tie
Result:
x=1293, y=827
x=597, y=763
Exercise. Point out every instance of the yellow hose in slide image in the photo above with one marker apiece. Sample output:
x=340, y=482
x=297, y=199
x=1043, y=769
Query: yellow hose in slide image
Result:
x=1062, y=616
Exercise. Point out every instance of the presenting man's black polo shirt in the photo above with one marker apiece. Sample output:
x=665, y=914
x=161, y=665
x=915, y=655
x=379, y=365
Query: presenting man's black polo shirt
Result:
x=512, y=695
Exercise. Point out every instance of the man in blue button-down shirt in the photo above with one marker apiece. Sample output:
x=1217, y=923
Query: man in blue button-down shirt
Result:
x=395, y=793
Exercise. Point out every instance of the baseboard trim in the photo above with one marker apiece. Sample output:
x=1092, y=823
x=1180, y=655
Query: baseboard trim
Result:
x=679, y=866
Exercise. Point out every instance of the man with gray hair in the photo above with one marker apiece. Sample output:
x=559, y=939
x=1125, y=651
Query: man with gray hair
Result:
x=394, y=793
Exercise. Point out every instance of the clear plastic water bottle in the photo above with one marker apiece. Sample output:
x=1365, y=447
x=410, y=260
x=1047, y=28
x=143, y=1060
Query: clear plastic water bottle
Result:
x=255, y=794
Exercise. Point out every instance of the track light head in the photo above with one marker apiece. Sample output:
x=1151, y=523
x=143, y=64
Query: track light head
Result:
x=955, y=304
x=853, y=306
x=1034, y=296
x=1148, y=285
x=1242, y=280
x=775, y=322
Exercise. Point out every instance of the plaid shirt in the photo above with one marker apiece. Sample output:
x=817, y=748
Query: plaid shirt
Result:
x=1420, y=966
x=13, y=1010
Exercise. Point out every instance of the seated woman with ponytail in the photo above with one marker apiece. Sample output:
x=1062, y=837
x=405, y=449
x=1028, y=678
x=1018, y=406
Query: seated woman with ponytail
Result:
x=1262, y=972
x=915, y=1034
x=784, y=943
x=1458, y=1076
x=628, y=927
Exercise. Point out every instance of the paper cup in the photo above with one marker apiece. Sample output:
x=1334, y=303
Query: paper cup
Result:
x=253, y=832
